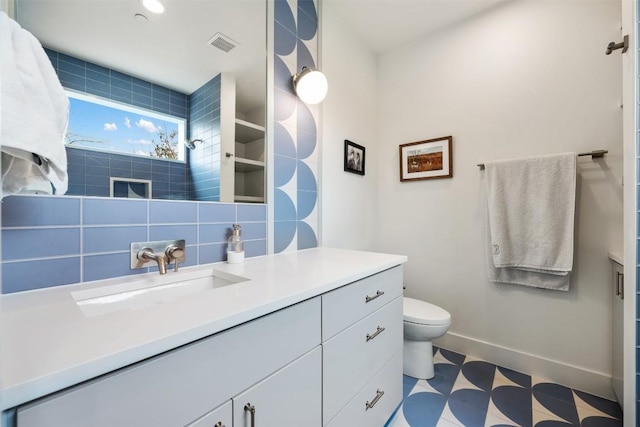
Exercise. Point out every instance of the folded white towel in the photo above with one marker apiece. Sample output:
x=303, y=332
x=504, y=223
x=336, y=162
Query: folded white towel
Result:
x=531, y=205
x=34, y=113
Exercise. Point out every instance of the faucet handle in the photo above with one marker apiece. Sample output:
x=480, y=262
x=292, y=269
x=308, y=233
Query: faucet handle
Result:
x=176, y=254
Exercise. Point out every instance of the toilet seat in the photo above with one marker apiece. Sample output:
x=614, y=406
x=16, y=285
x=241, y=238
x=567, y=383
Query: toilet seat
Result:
x=423, y=313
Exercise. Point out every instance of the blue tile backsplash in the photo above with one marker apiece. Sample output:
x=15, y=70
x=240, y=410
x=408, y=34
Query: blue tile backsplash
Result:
x=51, y=241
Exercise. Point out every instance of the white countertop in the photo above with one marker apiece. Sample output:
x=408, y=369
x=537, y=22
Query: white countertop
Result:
x=616, y=256
x=48, y=343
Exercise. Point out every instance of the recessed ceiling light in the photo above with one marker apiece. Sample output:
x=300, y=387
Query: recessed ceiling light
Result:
x=153, y=5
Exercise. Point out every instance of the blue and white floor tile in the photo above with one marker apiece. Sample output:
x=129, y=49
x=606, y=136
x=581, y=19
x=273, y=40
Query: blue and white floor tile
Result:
x=468, y=392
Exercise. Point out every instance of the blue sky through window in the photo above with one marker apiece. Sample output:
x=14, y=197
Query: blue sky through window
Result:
x=97, y=126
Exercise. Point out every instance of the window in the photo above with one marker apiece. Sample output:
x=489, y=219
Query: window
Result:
x=104, y=125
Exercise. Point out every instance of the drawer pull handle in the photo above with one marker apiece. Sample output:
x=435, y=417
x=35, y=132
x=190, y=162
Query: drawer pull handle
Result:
x=378, y=331
x=620, y=289
x=250, y=408
x=379, y=394
x=369, y=299
x=219, y=424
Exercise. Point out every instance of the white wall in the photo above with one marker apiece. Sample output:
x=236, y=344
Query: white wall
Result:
x=525, y=78
x=348, y=201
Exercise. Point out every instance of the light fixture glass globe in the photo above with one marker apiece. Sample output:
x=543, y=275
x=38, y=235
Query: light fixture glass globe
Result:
x=153, y=5
x=310, y=85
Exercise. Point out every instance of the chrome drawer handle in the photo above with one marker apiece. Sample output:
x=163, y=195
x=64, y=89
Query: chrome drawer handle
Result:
x=378, y=331
x=369, y=299
x=219, y=424
x=379, y=394
x=250, y=408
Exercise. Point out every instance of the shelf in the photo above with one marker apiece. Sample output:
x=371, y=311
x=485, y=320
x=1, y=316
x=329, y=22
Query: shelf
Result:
x=248, y=132
x=248, y=165
x=250, y=199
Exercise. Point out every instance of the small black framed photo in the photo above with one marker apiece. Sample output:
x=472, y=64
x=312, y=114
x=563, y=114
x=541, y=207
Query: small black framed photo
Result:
x=353, y=157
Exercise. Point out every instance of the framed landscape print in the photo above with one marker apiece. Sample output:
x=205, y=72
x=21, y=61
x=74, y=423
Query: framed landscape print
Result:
x=428, y=159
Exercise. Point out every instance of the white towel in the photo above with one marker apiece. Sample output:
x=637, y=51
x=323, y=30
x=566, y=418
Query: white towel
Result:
x=531, y=205
x=34, y=113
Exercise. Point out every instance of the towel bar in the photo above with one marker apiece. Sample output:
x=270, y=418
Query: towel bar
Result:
x=595, y=154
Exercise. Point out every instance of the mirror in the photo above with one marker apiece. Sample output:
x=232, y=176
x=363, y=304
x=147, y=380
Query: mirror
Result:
x=166, y=61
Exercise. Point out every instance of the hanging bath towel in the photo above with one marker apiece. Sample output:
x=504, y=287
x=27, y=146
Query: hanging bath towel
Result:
x=531, y=205
x=34, y=114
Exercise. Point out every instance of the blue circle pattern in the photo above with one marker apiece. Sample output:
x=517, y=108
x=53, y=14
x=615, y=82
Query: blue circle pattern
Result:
x=515, y=402
x=288, y=36
x=304, y=56
x=284, y=168
x=307, y=19
x=284, y=145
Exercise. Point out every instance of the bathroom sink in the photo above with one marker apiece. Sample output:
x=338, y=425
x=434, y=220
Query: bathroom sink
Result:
x=151, y=290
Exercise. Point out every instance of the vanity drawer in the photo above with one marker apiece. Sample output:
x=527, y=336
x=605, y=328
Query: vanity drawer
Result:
x=219, y=417
x=182, y=385
x=354, y=355
x=388, y=381
x=345, y=306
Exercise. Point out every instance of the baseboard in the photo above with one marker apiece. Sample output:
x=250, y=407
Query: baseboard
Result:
x=568, y=375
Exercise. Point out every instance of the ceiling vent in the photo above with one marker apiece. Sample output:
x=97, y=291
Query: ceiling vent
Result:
x=223, y=42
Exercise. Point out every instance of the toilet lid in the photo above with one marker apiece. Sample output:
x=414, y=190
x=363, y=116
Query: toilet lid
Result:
x=416, y=311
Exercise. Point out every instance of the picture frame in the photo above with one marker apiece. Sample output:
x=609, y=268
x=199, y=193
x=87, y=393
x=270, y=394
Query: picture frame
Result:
x=429, y=159
x=354, y=157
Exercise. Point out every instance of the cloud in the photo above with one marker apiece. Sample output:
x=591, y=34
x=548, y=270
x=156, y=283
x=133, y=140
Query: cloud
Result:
x=110, y=127
x=140, y=141
x=147, y=125
x=141, y=153
x=127, y=122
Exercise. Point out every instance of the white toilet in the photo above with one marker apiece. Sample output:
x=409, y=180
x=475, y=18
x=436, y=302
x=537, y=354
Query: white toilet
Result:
x=423, y=322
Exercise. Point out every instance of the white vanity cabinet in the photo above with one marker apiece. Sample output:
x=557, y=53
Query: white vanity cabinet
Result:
x=617, y=358
x=332, y=360
x=179, y=387
x=289, y=397
x=362, y=351
x=219, y=417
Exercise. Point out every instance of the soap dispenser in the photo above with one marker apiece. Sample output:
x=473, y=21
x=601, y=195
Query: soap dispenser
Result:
x=235, y=246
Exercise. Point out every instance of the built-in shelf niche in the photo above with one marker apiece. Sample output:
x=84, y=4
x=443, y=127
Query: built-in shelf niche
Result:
x=249, y=162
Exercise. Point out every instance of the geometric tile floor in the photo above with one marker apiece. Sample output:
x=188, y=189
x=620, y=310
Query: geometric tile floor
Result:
x=467, y=392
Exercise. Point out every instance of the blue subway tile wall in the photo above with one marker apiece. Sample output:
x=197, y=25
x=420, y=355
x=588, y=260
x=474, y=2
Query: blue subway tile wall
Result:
x=295, y=128
x=89, y=171
x=90, y=78
x=204, y=160
x=92, y=236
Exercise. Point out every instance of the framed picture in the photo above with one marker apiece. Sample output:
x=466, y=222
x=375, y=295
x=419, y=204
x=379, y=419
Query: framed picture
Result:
x=428, y=159
x=353, y=157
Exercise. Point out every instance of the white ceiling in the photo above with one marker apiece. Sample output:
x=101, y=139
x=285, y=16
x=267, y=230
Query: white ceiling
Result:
x=387, y=24
x=171, y=49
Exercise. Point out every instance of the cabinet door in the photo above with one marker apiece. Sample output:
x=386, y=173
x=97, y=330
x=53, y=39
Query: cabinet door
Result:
x=617, y=333
x=290, y=397
x=219, y=417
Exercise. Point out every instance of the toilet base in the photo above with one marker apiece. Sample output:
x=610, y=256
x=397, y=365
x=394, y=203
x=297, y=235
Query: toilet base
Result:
x=418, y=359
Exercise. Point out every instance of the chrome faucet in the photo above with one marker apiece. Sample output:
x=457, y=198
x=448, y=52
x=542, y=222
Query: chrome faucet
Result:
x=163, y=253
x=147, y=254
